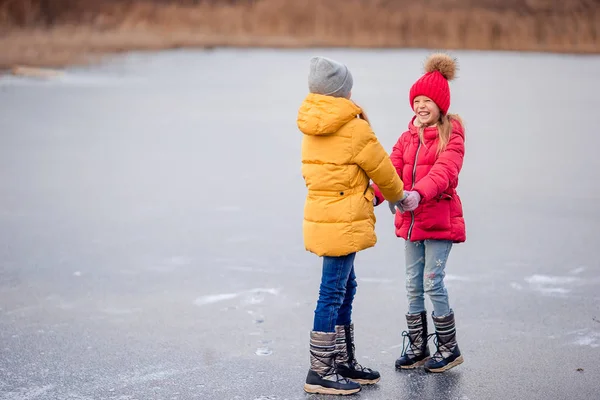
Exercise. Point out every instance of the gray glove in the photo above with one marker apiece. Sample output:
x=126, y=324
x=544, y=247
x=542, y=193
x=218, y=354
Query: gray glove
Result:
x=398, y=205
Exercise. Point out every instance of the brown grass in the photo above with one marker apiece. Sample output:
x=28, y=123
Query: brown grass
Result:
x=59, y=32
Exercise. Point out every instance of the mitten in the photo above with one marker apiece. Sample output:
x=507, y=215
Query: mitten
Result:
x=411, y=201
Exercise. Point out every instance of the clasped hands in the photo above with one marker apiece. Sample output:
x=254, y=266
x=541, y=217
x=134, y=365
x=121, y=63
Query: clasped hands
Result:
x=409, y=202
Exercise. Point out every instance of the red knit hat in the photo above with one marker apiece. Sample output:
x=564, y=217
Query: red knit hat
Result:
x=439, y=69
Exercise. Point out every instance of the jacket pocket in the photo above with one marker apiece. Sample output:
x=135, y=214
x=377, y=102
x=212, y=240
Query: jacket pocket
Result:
x=435, y=215
x=369, y=195
x=368, y=206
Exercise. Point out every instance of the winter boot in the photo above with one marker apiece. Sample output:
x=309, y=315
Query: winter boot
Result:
x=346, y=362
x=448, y=354
x=417, y=352
x=323, y=376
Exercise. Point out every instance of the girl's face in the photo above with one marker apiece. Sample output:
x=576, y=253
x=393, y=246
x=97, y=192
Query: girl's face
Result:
x=426, y=110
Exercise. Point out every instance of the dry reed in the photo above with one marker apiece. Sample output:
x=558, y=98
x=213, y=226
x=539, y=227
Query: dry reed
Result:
x=59, y=32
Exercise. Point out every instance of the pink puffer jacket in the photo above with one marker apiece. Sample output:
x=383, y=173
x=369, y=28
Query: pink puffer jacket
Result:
x=435, y=177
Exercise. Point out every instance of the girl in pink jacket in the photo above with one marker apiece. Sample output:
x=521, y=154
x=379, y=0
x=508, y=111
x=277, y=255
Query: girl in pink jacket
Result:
x=428, y=157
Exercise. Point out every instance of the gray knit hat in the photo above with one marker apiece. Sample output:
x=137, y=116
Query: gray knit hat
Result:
x=329, y=78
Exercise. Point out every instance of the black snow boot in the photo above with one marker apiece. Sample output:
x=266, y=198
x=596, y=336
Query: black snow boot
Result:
x=346, y=361
x=323, y=376
x=448, y=354
x=417, y=352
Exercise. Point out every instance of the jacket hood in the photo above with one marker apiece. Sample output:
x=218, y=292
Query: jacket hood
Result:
x=325, y=115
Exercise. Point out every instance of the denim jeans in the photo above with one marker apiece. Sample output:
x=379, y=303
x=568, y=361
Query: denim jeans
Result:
x=425, y=264
x=338, y=287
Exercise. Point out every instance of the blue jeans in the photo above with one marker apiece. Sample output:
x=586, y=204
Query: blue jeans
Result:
x=425, y=264
x=338, y=287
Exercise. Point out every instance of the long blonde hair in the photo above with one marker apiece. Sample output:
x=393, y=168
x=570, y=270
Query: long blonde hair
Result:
x=444, y=128
x=363, y=114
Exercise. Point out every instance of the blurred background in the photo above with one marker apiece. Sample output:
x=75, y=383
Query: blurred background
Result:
x=55, y=32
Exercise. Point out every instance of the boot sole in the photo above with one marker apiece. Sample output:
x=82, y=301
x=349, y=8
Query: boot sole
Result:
x=459, y=360
x=366, y=381
x=415, y=365
x=323, y=390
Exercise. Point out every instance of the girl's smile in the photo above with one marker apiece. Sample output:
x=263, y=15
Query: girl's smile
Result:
x=426, y=110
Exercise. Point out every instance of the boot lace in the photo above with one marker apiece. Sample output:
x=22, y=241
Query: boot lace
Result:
x=410, y=348
x=440, y=348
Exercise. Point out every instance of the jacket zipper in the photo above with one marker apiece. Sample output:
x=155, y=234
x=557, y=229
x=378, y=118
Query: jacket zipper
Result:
x=414, y=176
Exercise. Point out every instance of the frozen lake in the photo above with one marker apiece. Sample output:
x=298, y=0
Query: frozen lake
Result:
x=151, y=216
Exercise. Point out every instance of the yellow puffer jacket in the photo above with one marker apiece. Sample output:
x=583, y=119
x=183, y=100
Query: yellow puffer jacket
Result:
x=340, y=153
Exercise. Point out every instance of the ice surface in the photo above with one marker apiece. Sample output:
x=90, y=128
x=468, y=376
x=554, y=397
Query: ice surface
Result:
x=151, y=229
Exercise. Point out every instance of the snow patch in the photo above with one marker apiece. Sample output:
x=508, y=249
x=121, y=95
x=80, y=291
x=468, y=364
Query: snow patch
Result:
x=590, y=340
x=516, y=286
x=550, y=280
x=255, y=296
x=550, y=285
x=200, y=301
x=551, y=291
x=586, y=337
x=71, y=78
x=263, y=351
x=255, y=299
x=578, y=270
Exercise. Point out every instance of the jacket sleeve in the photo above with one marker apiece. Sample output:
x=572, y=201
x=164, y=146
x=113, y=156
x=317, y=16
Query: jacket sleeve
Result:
x=370, y=155
x=398, y=162
x=445, y=170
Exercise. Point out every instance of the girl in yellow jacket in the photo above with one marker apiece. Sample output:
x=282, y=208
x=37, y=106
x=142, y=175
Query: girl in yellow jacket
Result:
x=340, y=156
